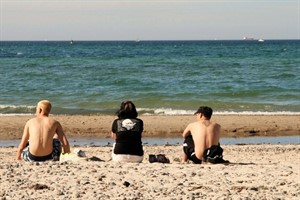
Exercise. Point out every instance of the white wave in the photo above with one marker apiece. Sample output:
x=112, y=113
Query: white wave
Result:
x=15, y=114
x=15, y=107
x=169, y=111
x=13, y=110
x=257, y=113
x=24, y=109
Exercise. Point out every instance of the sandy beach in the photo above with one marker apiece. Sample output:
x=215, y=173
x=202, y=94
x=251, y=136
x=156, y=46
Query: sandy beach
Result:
x=161, y=126
x=256, y=172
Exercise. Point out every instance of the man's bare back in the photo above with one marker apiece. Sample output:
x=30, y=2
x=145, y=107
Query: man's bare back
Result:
x=204, y=134
x=40, y=132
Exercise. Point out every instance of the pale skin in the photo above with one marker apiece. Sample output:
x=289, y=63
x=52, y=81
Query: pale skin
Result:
x=39, y=132
x=205, y=134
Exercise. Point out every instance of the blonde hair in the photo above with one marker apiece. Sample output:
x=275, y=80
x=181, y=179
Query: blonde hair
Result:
x=45, y=105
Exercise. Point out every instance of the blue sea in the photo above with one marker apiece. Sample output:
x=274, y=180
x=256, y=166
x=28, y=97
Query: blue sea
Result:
x=160, y=77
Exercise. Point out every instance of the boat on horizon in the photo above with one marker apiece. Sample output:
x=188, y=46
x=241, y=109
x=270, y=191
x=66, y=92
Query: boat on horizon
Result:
x=261, y=40
x=248, y=38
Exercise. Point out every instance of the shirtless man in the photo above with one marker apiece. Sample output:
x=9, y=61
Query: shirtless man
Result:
x=45, y=136
x=201, y=136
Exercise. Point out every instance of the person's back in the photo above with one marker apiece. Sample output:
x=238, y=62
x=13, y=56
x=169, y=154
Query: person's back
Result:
x=127, y=132
x=42, y=131
x=201, y=136
x=205, y=134
x=44, y=135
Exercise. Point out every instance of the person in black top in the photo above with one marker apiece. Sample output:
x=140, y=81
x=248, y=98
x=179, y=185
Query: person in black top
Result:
x=127, y=132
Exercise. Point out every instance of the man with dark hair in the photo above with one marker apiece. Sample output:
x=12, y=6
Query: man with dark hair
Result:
x=202, y=139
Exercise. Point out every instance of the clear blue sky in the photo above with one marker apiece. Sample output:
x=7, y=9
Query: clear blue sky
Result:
x=148, y=19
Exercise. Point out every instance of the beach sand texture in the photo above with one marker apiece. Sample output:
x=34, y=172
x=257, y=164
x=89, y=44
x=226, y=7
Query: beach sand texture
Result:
x=257, y=172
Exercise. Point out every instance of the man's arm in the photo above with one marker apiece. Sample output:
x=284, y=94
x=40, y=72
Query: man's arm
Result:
x=23, y=142
x=214, y=136
x=200, y=147
x=63, y=139
x=187, y=131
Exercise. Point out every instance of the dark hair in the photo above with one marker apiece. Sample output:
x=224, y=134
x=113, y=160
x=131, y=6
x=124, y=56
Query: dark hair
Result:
x=127, y=110
x=205, y=110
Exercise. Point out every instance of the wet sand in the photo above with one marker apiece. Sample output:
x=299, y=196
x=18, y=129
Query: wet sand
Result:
x=11, y=127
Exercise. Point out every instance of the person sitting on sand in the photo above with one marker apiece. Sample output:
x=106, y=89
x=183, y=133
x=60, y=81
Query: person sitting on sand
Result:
x=127, y=132
x=202, y=139
x=44, y=136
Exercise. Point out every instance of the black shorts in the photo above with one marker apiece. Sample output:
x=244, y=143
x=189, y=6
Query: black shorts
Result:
x=39, y=158
x=189, y=149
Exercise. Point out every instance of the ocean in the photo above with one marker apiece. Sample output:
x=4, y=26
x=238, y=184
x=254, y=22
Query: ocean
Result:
x=160, y=77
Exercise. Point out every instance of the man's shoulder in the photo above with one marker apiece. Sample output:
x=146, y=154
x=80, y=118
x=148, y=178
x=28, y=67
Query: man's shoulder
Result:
x=194, y=124
x=39, y=120
x=50, y=121
x=216, y=124
x=53, y=121
x=32, y=120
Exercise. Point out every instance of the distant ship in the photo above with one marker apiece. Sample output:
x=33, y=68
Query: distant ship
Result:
x=248, y=38
x=261, y=40
x=71, y=42
x=137, y=39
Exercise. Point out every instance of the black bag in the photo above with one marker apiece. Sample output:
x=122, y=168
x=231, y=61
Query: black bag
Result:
x=214, y=155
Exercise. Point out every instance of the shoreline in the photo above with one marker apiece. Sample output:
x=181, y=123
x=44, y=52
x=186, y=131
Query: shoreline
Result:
x=158, y=141
x=164, y=126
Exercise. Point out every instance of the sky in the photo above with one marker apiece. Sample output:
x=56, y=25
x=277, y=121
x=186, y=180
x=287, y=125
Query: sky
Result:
x=148, y=19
